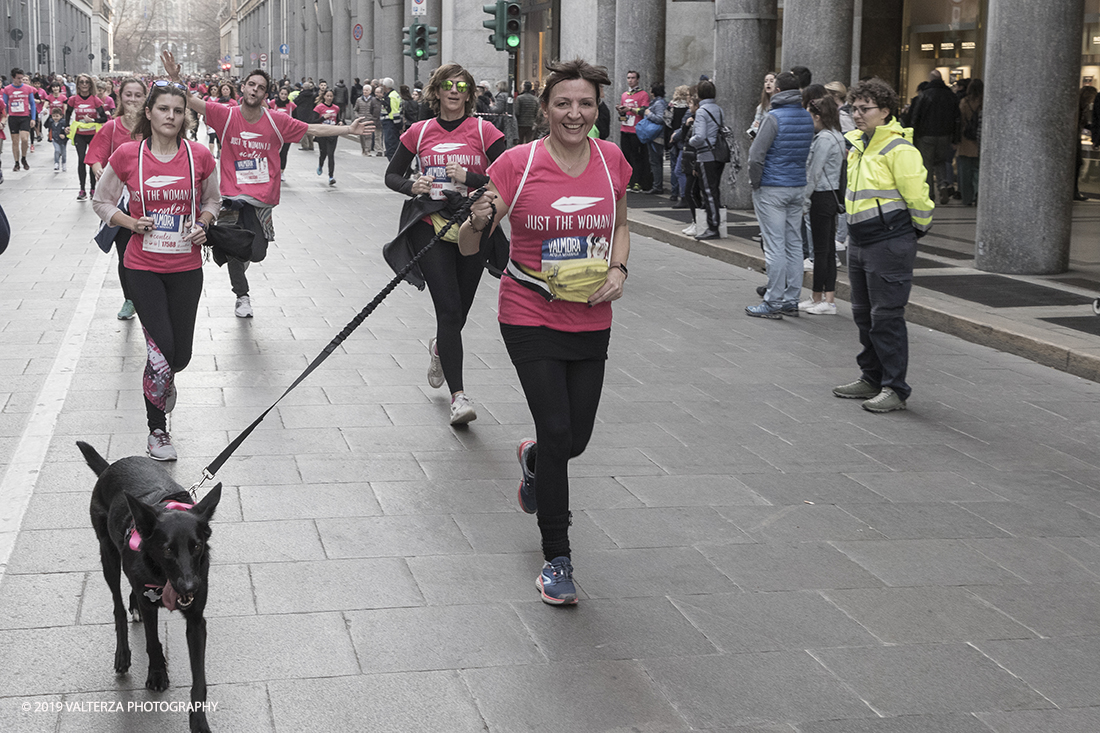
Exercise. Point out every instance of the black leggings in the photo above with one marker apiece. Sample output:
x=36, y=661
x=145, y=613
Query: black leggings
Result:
x=823, y=230
x=282, y=156
x=121, y=240
x=81, y=143
x=328, y=150
x=452, y=281
x=167, y=304
x=563, y=397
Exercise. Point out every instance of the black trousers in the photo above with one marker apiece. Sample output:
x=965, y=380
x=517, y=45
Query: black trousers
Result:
x=168, y=305
x=282, y=156
x=83, y=172
x=452, y=282
x=327, y=146
x=563, y=397
x=881, y=276
x=637, y=155
x=823, y=230
x=710, y=174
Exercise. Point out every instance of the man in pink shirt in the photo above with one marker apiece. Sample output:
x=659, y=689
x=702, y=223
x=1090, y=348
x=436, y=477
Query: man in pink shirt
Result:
x=631, y=108
x=251, y=139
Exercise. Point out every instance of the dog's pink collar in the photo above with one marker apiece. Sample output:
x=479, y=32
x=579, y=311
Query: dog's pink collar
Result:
x=134, y=539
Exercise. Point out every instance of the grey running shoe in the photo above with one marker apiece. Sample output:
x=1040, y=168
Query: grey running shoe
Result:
x=885, y=401
x=462, y=409
x=555, y=582
x=243, y=308
x=435, y=367
x=160, y=446
x=860, y=389
x=127, y=311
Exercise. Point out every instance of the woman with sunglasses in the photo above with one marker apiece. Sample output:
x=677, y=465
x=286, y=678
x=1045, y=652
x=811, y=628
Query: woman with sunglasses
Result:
x=163, y=263
x=455, y=150
x=89, y=114
x=112, y=136
x=329, y=114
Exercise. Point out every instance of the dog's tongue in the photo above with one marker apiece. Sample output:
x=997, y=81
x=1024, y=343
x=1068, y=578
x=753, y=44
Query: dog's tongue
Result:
x=169, y=596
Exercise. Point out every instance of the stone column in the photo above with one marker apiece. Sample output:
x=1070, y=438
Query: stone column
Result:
x=309, y=47
x=324, y=42
x=388, y=60
x=749, y=27
x=364, y=60
x=817, y=34
x=341, y=42
x=1026, y=180
x=639, y=45
x=605, y=52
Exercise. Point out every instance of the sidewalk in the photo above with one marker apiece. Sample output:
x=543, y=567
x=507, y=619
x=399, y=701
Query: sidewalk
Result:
x=753, y=554
x=1048, y=319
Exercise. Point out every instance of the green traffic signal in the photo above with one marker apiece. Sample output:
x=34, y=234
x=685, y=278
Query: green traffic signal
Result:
x=420, y=41
x=511, y=25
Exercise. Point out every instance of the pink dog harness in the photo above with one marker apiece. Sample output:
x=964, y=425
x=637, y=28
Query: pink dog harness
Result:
x=164, y=594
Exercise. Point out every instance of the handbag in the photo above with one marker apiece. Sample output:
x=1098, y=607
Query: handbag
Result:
x=229, y=241
x=647, y=130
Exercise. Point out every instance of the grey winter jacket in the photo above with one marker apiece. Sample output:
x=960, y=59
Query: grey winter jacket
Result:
x=705, y=134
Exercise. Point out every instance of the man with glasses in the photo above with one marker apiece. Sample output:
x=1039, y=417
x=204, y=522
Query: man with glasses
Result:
x=251, y=139
x=777, y=171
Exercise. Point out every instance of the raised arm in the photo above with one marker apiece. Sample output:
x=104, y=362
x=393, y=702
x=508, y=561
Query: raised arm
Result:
x=194, y=102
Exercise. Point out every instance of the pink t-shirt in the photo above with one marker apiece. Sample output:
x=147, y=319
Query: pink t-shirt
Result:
x=108, y=103
x=435, y=147
x=286, y=110
x=107, y=140
x=639, y=98
x=168, y=193
x=329, y=113
x=57, y=101
x=85, y=110
x=20, y=99
x=250, y=152
x=553, y=206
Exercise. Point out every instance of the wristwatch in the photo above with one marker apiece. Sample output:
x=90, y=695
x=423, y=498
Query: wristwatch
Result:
x=622, y=267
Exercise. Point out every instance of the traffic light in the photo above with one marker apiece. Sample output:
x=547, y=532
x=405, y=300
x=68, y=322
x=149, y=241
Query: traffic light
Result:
x=433, y=40
x=496, y=24
x=511, y=26
x=43, y=53
x=410, y=39
x=420, y=41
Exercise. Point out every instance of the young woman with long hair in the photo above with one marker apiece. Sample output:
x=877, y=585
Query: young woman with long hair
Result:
x=224, y=94
x=113, y=135
x=86, y=114
x=455, y=149
x=823, y=196
x=329, y=114
x=163, y=264
x=283, y=105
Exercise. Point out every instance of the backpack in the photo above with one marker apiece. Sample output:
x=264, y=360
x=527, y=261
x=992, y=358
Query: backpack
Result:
x=724, y=143
x=973, y=129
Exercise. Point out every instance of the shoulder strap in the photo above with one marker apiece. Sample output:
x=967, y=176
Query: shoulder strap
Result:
x=481, y=133
x=420, y=137
x=225, y=130
x=274, y=126
x=614, y=203
x=526, y=170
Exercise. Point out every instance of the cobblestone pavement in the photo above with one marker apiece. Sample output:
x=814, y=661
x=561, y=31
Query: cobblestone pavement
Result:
x=753, y=554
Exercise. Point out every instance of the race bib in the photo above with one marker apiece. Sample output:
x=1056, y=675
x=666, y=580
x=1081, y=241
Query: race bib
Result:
x=167, y=235
x=630, y=120
x=18, y=105
x=251, y=170
x=440, y=181
x=556, y=251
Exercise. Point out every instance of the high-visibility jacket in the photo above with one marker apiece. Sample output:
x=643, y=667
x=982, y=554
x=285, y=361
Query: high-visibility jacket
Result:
x=393, y=106
x=887, y=194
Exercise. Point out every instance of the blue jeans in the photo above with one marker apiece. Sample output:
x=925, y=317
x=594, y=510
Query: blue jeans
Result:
x=677, y=181
x=657, y=164
x=779, y=211
x=881, y=276
x=59, y=151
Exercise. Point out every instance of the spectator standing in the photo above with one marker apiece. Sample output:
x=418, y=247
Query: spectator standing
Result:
x=844, y=110
x=765, y=103
x=340, y=98
x=704, y=138
x=356, y=92
x=688, y=166
x=822, y=200
x=777, y=171
x=656, y=147
x=935, y=118
x=367, y=105
x=632, y=104
x=969, y=152
x=484, y=100
x=674, y=116
x=281, y=104
x=527, y=108
x=391, y=117
x=888, y=210
x=304, y=104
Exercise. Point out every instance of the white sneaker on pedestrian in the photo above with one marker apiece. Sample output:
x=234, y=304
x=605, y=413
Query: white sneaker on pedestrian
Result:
x=807, y=304
x=435, y=367
x=841, y=245
x=282, y=176
x=462, y=409
x=690, y=230
x=823, y=308
x=243, y=308
x=160, y=446
x=56, y=167
x=807, y=265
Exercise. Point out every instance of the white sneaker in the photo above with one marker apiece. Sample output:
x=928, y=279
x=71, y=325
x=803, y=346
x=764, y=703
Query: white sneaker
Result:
x=462, y=409
x=435, y=368
x=807, y=265
x=822, y=309
x=243, y=308
x=690, y=230
x=841, y=245
x=807, y=304
x=282, y=177
x=160, y=446
x=56, y=167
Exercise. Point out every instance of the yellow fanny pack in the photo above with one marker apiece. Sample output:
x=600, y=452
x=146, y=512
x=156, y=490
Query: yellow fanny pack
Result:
x=438, y=222
x=571, y=280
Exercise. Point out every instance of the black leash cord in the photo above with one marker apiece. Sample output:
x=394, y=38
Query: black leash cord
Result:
x=460, y=216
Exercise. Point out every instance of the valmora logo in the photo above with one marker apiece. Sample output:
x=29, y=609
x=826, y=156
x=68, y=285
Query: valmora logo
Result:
x=447, y=147
x=251, y=135
x=572, y=204
x=161, y=181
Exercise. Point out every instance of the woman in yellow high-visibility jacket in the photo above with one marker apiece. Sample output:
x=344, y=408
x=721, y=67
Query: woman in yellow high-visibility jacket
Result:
x=888, y=209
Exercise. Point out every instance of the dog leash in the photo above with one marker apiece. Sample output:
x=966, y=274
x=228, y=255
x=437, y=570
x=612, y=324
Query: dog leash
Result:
x=460, y=216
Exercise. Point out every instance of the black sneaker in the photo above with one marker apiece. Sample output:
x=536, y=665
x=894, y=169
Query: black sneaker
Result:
x=555, y=582
x=791, y=311
x=25, y=166
x=525, y=452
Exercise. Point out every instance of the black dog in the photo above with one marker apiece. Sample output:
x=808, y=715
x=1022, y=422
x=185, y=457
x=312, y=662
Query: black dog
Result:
x=148, y=528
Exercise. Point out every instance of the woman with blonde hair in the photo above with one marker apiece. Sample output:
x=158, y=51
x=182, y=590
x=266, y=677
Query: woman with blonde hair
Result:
x=681, y=102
